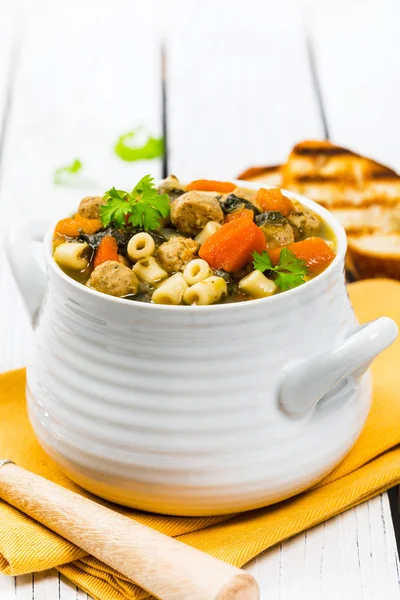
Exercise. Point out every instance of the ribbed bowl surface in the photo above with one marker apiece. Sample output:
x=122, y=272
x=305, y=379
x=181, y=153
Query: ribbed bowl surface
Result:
x=176, y=411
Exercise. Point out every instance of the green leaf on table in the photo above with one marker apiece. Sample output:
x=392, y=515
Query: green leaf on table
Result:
x=139, y=144
x=63, y=174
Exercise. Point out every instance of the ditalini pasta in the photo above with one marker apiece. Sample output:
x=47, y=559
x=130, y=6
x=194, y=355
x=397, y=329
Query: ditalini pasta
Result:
x=72, y=255
x=257, y=285
x=171, y=290
x=141, y=245
x=148, y=270
x=203, y=243
x=196, y=270
x=207, y=231
x=208, y=291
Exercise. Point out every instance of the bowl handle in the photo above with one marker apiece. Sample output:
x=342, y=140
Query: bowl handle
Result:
x=28, y=274
x=306, y=383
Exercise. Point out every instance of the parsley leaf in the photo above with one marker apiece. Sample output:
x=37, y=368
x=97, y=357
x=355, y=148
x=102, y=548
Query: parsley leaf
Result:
x=262, y=262
x=62, y=174
x=144, y=206
x=288, y=273
x=115, y=209
x=287, y=281
x=289, y=261
x=139, y=145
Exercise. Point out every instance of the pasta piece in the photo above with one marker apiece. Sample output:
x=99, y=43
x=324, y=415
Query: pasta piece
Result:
x=72, y=255
x=196, y=270
x=207, y=231
x=171, y=290
x=148, y=270
x=140, y=246
x=257, y=285
x=208, y=291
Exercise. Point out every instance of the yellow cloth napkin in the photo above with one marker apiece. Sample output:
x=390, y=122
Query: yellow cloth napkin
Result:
x=372, y=466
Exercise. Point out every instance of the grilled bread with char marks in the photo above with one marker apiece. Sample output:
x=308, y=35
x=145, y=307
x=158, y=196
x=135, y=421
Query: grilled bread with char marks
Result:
x=337, y=177
x=363, y=194
x=271, y=175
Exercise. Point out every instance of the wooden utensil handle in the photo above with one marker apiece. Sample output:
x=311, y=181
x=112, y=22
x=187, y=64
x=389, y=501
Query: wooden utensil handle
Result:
x=166, y=568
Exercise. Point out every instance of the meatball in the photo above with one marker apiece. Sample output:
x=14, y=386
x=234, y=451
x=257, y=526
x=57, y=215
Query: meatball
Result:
x=113, y=278
x=176, y=253
x=171, y=186
x=192, y=211
x=276, y=229
x=89, y=207
x=304, y=224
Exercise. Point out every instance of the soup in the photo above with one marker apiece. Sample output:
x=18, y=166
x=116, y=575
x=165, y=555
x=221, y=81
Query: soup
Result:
x=204, y=243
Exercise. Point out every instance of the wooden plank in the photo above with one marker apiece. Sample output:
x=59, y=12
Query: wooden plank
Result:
x=25, y=587
x=50, y=585
x=8, y=588
x=358, y=60
x=97, y=82
x=350, y=557
x=10, y=47
x=46, y=585
x=9, y=54
x=240, y=90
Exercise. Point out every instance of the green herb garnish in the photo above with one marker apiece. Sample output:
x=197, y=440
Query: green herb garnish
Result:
x=139, y=145
x=289, y=272
x=62, y=174
x=144, y=206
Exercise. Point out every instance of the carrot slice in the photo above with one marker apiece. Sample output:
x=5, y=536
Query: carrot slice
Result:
x=208, y=185
x=87, y=225
x=244, y=212
x=231, y=247
x=72, y=227
x=273, y=200
x=68, y=227
x=107, y=250
x=314, y=250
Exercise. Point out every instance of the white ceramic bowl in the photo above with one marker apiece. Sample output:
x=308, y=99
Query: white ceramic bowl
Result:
x=196, y=410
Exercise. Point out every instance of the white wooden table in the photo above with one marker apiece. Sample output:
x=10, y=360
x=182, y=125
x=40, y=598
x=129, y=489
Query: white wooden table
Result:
x=76, y=74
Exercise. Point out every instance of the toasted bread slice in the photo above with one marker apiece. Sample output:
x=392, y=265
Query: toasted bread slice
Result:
x=340, y=193
x=268, y=175
x=339, y=178
x=374, y=255
x=322, y=159
x=371, y=219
